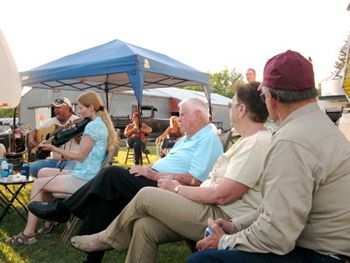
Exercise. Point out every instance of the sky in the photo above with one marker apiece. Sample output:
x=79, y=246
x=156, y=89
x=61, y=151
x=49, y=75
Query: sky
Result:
x=209, y=35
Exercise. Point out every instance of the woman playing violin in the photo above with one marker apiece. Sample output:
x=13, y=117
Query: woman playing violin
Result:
x=99, y=136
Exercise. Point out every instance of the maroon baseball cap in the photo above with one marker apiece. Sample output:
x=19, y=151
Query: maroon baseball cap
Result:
x=289, y=71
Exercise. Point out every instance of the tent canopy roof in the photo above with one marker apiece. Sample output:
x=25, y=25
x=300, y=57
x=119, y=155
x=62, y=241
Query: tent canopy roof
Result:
x=114, y=67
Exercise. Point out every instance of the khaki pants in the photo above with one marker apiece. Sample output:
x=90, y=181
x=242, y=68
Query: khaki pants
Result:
x=156, y=216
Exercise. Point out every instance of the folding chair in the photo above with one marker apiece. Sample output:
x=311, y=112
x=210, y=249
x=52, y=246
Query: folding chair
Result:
x=228, y=139
x=130, y=154
x=73, y=221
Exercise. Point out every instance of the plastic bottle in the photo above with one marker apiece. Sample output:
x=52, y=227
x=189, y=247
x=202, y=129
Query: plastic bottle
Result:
x=10, y=168
x=0, y=168
x=207, y=232
x=4, y=169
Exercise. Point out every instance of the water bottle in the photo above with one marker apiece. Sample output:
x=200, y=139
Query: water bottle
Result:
x=1, y=160
x=207, y=232
x=10, y=168
x=4, y=169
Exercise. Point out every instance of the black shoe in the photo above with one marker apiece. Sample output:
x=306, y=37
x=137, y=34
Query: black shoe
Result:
x=55, y=211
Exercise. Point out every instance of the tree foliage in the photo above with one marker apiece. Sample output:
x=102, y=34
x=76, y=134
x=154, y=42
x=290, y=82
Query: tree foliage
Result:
x=223, y=82
x=6, y=113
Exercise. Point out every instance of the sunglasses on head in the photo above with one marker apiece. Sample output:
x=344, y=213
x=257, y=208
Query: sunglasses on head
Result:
x=59, y=101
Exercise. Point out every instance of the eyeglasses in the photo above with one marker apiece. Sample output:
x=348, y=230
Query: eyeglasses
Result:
x=59, y=101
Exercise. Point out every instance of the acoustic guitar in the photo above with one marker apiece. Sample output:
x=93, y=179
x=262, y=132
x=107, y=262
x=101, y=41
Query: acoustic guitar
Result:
x=59, y=136
x=45, y=134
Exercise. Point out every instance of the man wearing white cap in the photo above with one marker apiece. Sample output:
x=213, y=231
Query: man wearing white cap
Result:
x=62, y=109
x=305, y=211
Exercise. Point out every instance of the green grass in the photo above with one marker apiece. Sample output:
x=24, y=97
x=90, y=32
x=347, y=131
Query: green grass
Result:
x=50, y=249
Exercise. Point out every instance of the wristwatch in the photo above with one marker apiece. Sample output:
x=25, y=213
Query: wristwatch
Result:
x=224, y=242
x=177, y=188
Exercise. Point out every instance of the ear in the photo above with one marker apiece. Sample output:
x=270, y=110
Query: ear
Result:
x=242, y=110
x=197, y=113
x=273, y=102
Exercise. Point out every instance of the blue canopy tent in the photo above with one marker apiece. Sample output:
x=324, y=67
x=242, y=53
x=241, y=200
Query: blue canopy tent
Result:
x=113, y=67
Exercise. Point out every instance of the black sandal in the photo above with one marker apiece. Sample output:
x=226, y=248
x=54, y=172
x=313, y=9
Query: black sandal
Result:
x=47, y=228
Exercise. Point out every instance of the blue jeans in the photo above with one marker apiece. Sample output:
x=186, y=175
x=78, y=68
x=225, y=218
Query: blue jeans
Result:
x=50, y=163
x=298, y=255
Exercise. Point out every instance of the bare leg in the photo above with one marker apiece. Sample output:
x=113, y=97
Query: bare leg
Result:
x=41, y=186
x=50, y=172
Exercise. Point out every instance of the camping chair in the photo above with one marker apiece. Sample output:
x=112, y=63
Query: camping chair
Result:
x=228, y=139
x=130, y=154
x=334, y=114
x=70, y=225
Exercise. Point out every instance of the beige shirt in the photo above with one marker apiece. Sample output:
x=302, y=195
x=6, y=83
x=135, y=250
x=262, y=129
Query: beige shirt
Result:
x=243, y=163
x=72, y=145
x=305, y=189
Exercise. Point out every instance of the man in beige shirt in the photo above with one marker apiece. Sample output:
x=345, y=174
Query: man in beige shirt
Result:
x=305, y=211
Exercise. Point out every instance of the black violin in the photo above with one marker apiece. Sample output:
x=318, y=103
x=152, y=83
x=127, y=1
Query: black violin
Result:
x=66, y=135
x=63, y=137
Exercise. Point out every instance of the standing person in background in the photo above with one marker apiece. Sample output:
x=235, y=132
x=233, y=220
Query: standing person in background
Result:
x=251, y=74
x=135, y=138
x=170, y=136
x=305, y=210
x=62, y=108
x=98, y=136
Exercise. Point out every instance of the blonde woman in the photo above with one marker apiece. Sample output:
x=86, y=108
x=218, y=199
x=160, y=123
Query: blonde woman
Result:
x=170, y=136
x=98, y=136
x=2, y=150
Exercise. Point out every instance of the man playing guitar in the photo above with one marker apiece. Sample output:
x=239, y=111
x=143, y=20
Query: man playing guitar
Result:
x=64, y=116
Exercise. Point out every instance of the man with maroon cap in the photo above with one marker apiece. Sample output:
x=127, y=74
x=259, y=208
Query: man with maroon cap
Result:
x=305, y=212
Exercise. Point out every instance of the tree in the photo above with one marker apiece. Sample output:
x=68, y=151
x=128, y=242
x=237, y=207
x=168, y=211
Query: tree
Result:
x=6, y=113
x=223, y=82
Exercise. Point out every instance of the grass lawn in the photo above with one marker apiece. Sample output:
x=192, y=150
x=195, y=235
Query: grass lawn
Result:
x=49, y=249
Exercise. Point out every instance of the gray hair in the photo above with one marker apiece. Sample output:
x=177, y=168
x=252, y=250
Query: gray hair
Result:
x=197, y=104
x=286, y=96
